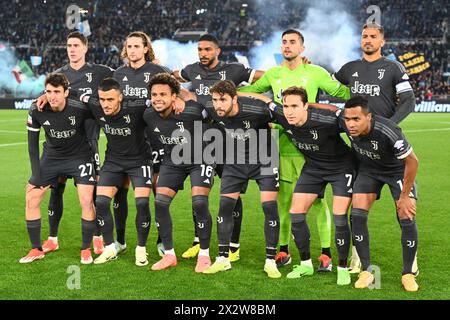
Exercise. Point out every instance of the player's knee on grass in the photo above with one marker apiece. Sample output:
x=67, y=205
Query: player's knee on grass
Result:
x=143, y=209
x=87, y=202
x=33, y=198
x=200, y=205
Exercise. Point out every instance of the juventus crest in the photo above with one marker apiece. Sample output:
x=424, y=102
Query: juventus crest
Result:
x=223, y=75
x=315, y=135
x=72, y=120
x=374, y=144
x=246, y=124
x=181, y=126
x=127, y=118
x=147, y=77
x=89, y=77
x=381, y=73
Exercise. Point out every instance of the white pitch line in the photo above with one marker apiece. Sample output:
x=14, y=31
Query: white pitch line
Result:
x=14, y=120
x=16, y=144
x=11, y=132
x=426, y=130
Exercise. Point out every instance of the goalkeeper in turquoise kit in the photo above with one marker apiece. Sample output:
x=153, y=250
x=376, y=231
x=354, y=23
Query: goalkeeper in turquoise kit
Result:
x=293, y=72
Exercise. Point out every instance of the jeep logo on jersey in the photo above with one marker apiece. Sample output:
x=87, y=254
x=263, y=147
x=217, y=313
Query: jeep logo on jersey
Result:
x=314, y=134
x=202, y=90
x=181, y=126
x=72, y=120
x=127, y=118
x=246, y=124
x=135, y=92
x=89, y=76
x=370, y=89
x=147, y=77
x=62, y=134
x=340, y=242
x=223, y=75
x=381, y=73
x=374, y=144
x=117, y=131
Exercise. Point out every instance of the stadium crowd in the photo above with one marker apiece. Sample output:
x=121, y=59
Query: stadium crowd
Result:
x=42, y=31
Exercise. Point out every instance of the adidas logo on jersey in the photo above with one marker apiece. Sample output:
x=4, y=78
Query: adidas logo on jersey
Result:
x=149, y=181
x=46, y=123
x=289, y=131
x=125, y=78
x=91, y=179
x=198, y=77
x=102, y=119
x=206, y=181
x=156, y=130
x=355, y=74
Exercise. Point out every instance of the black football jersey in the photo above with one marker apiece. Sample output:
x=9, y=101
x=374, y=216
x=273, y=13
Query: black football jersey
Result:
x=180, y=132
x=382, y=150
x=65, y=135
x=318, y=139
x=247, y=133
x=202, y=78
x=124, y=131
x=134, y=82
x=85, y=81
x=379, y=81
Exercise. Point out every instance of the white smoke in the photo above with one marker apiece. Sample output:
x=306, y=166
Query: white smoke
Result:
x=173, y=54
x=262, y=57
x=331, y=37
x=29, y=87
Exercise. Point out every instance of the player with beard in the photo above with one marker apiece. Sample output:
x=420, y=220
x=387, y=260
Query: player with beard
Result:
x=247, y=138
x=203, y=75
x=127, y=155
x=383, y=82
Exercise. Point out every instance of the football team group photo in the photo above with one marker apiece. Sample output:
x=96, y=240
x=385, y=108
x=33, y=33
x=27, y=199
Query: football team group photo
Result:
x=200, y=150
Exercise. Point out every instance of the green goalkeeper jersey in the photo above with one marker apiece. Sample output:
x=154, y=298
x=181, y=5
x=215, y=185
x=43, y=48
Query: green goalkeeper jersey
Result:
x=309, y=76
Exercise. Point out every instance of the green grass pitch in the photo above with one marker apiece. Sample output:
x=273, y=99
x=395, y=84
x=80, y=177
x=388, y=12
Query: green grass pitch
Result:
x=121, y=279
